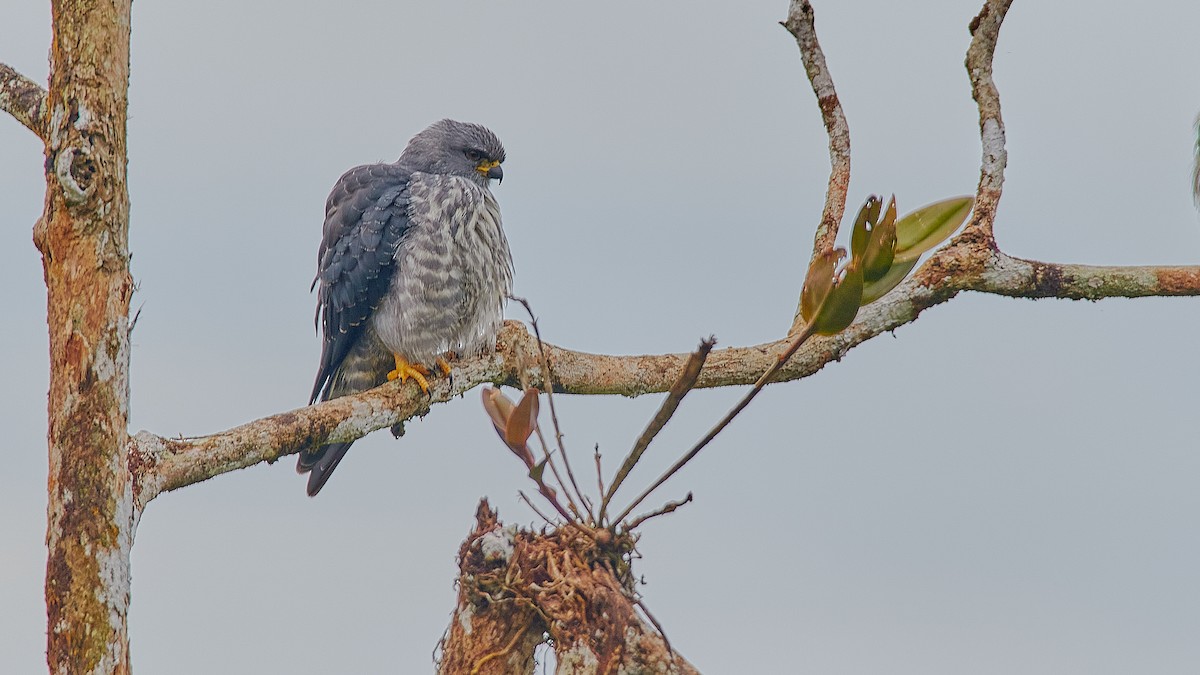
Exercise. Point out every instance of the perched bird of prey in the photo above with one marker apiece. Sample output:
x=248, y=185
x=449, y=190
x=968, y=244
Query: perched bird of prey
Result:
x=413, y=266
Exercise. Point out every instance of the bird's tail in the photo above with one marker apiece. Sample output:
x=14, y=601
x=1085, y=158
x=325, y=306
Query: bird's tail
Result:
x=319, y=464
x=363, y=368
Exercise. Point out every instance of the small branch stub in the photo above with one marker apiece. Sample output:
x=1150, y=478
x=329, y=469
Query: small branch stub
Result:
x=24, y=99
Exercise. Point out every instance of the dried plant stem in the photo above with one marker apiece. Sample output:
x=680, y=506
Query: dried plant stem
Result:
x=548, y=387
x=685, y=383
x=795, y=344
x=548, y=460
x=669, y=507
x=529, y=502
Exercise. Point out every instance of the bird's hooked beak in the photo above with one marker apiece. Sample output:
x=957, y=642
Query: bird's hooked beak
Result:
x=491, y=169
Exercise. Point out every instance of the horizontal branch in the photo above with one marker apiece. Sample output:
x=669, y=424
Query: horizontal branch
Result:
x=164, y=464
x=970, y=263
x=24, y=99
x=1020, y=278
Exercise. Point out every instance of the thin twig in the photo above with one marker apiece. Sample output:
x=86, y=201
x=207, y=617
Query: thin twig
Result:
x=599, y=476
x=687, y=380
x=669, y=507
x=528, y=501
x=798, y=340
x=548, y=387
x=548, y=492
x=800, y=24
x=554, y=471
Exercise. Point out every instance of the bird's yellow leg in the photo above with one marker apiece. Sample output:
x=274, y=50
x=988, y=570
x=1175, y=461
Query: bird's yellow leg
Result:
x=443, y=365
x=405, y=370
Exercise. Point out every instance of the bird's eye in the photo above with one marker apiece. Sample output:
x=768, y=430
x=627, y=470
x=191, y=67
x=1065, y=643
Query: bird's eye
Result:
x=474, y=155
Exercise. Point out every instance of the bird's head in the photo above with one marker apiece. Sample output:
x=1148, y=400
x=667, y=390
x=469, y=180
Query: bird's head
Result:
x=457, y=149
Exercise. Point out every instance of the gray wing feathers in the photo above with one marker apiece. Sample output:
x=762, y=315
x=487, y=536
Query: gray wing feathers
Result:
x=366, y=217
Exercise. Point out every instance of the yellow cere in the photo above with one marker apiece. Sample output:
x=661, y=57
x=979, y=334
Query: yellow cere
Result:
x=487, y=166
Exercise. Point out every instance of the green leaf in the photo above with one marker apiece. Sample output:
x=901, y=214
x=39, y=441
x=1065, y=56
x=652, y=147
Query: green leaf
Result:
x=881, y=248
x=929, y=226
x=818, y=282
x=841, y=305
x=868, y=214
x=537, y=470
x=895, y=274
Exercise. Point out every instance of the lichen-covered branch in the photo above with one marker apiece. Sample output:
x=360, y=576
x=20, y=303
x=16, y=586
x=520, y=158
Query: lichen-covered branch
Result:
x=985, y=31
x=518, y=588
x=168, y=463
x=800, y=24
x=24, y=99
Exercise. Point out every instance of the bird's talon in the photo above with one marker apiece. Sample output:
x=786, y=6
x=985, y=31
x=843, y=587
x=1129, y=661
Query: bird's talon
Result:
x=405, y=371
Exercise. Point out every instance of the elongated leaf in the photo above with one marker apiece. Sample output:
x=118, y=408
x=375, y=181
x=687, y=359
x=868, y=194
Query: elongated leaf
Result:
x=929, y=226
x=867, y=216
x=818, y=282
x=895, y=274
x=881, y=248
x=499, y=408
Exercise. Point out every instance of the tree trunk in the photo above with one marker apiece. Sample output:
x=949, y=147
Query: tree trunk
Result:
x=83, y=238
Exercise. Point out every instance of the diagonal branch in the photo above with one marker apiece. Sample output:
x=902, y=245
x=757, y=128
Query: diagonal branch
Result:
x=24, y=99
x=687, y=380
x=764, y=379
x=800, y=24
x=985, y=31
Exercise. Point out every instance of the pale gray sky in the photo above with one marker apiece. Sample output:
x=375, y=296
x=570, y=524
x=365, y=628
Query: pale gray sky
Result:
x=1024, y=497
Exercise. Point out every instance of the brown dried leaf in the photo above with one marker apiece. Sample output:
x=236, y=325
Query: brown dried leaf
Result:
x=499, y=408
x=523, y=420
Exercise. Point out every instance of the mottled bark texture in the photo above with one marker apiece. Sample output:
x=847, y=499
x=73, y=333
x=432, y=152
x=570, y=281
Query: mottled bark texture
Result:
x=24, y=99
x=517, y=589
x=83, y=238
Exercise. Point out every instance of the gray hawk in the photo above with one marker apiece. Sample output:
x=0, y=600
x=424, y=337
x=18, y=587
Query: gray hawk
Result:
x=413, y=266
